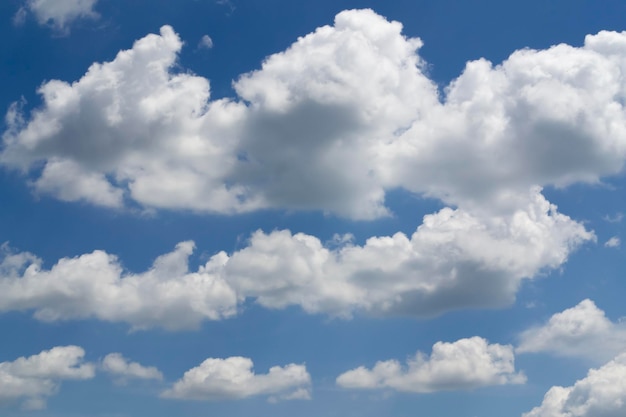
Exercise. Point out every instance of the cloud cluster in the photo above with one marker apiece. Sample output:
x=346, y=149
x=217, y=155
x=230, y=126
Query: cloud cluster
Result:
x=452, y=261
x=580, y=331
x=601, y=394
x=333, y=122
x=464, y=364
x=58, y=14
x=234, y=378
x=36, y=377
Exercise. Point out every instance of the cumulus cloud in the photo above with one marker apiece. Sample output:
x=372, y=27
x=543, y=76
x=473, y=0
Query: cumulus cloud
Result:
x=96, y=285
x=234, y=378
x=333, y=122
x=581, y=331
x=464, y=364
x=454, y=260
x=118, y=366
x=58, y=14
x=601, y=393
x=613, y=242
x=33, y=379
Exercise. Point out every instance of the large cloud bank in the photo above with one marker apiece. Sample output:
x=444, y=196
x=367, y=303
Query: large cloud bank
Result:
x=452, y=261
x=331, y=123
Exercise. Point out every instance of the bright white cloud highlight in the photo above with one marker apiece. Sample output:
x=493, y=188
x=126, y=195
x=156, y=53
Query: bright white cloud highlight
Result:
x=601, y=394
x=34, y=378
x=454, y=260
x=234, y=378
x=465, y=364
x=613, y=242
x=580, y=331
x=58, y=14
x=118, y=366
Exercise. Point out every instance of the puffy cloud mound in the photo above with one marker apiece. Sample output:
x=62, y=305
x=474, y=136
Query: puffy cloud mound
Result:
x=580, y=331
x=34, y=378
x=58, y=14
x=464, y=364
x=95, y=285
x=454, y=260
x=234, y=378
x=601, y=394
x=331, y=123
x=117, y=365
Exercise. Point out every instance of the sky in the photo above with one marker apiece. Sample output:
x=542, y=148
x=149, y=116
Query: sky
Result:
x=332, y=208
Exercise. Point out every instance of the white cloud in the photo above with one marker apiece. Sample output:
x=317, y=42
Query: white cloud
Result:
x=234, y=378
x=454, y=260
x=331, y=123
x=37, y=377
x=117, y=365
x=613, y=242
x=601, y=394
x=95, y=285
x=464, y=364
x=617, y=218
x=205, y=42
x=580, y=331
x=58, y=14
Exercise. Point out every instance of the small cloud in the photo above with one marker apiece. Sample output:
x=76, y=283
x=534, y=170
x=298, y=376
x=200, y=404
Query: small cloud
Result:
x=234, y=378
x=117, y=365
x=57, y=14
x=617, y=218
x=464, y=364
x=613, y=242
x=582, y=331
x=20, y=16
x=227, y=3
x=205, y=42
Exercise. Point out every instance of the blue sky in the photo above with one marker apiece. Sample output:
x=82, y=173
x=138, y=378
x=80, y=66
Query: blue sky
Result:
x=347, y=208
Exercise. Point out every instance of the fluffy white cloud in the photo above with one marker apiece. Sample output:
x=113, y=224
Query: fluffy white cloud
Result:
x=59, y=14
x=117, y=365
x=454, y=260
x=331, y=123
x=601, y=394
x=613, y=242
x=464, y=364
x=34, y=378
x=95, y=285
x=234, y=378
x=581, y=331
